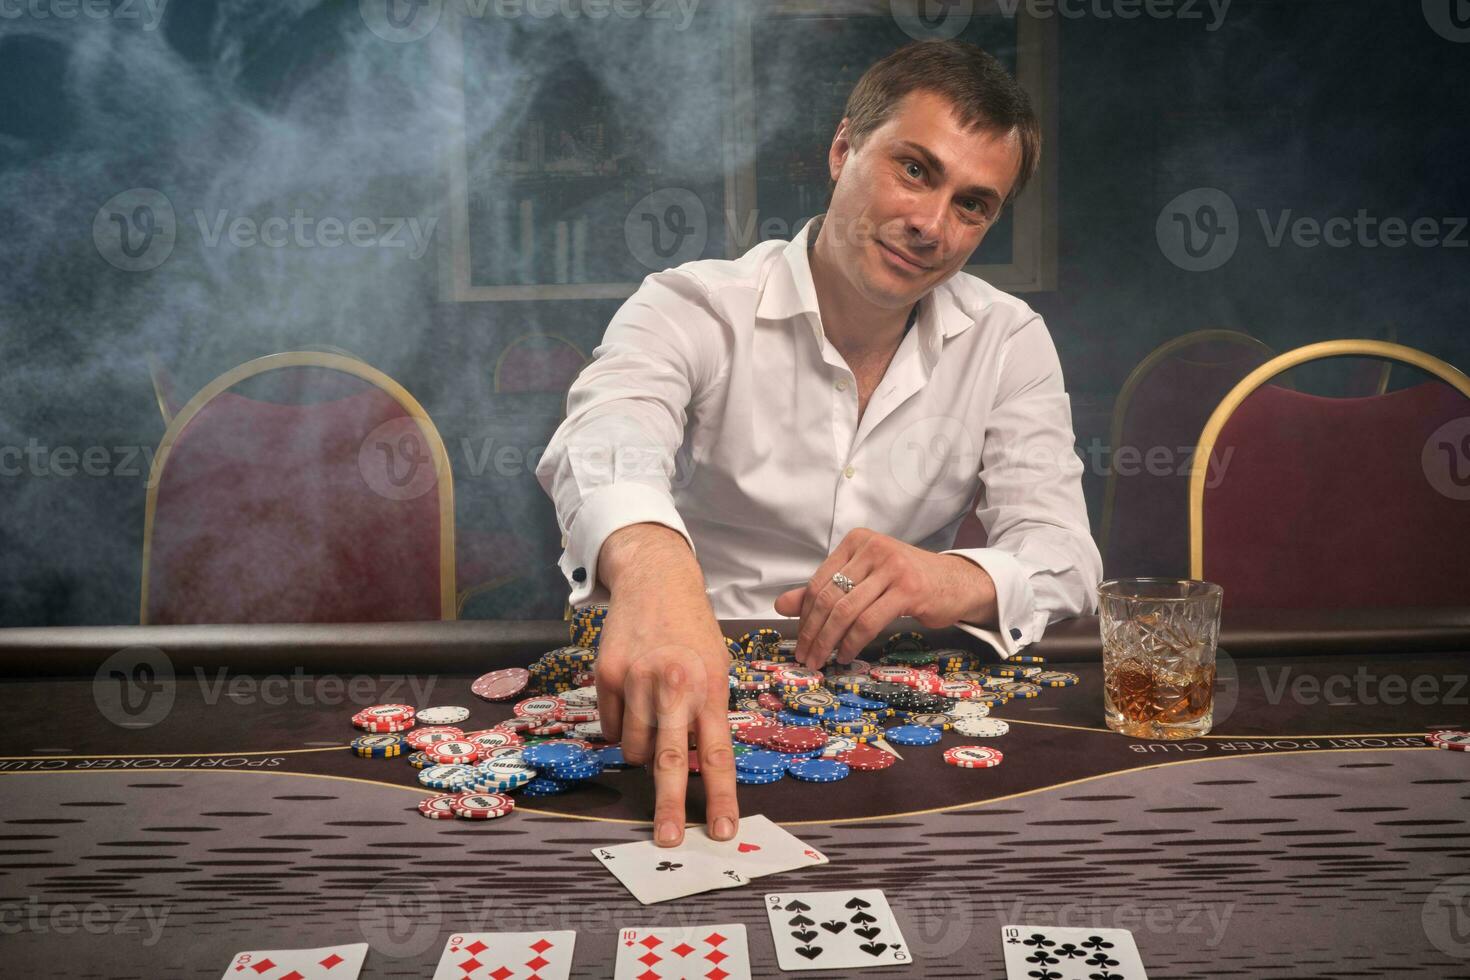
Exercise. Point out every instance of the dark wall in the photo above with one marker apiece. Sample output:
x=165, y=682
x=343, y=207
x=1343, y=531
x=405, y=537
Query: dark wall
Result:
x=252, y=108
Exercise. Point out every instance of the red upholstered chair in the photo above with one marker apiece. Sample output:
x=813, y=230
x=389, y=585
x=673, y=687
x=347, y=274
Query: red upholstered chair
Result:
x=334, y=504
x=1165, y=402
x=538, y=362
x=1336, y=502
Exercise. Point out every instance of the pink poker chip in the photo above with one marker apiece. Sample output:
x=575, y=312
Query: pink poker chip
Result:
x=501, y=685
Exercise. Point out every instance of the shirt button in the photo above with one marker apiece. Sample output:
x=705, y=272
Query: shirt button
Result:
x=849, y=472
x=842, y=385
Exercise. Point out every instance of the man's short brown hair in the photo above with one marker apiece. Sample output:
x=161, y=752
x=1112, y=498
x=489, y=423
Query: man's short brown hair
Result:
x=983, y=93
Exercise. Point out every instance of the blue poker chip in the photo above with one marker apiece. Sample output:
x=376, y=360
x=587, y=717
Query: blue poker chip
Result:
x=546, y=786
x=819, y=770
x=913, y=735
x=612, y=757
x=843, y=715
x=806, y=754
x=861, y=703
x=793, y=718
x=542, y=756
x=746, y=778
x=761, y=762
x=576, y=771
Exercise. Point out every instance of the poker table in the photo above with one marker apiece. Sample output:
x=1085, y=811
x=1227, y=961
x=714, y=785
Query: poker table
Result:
x=156, y=819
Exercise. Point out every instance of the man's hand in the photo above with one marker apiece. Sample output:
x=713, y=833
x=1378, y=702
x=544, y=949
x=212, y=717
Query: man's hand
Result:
x=893, y=579
x=663, y=676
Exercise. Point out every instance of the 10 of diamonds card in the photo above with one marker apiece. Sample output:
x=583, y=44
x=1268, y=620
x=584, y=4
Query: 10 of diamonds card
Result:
x=683, y=953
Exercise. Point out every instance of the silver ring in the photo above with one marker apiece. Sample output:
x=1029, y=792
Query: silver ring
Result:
x=843, y=582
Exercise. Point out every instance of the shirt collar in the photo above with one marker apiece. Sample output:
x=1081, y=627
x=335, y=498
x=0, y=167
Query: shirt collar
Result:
x=788, y=292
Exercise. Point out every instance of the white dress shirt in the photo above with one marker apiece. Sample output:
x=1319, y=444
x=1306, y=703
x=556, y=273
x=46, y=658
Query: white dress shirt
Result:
x=715, y=405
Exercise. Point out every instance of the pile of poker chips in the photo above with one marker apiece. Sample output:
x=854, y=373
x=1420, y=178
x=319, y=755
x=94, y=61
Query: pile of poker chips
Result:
x=786, y=719
x=585, y=626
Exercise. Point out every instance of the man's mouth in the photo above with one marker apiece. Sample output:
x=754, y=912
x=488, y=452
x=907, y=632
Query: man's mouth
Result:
x=902, y=260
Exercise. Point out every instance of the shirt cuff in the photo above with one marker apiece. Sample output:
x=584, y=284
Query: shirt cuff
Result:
x=605, y=510
x=1019, y=623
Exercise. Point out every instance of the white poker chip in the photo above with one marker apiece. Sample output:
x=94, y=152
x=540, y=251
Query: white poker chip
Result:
x=837, y=744
x=972, y=727
x=969, y=709
x=591, y=730
x=444, y=715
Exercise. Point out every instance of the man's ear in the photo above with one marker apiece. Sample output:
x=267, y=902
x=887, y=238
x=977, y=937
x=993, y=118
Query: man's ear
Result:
x=839, y=151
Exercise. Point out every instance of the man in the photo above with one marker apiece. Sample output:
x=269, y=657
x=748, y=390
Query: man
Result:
x=797, y=432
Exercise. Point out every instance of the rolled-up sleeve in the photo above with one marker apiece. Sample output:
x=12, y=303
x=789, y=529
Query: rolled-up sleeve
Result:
x=611, y=461
x=1039, y=547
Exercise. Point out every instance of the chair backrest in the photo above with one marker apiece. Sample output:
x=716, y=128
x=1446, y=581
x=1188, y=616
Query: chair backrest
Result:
x=336, y=510
x=541, y=362
x=1302, y=501
x=1158, y=415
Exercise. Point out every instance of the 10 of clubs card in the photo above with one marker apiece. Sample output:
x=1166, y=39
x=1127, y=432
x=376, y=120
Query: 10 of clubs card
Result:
x=835, y=930
x=1070, y=954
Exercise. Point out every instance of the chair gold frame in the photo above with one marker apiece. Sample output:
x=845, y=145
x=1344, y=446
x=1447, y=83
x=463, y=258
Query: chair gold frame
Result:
x=1428, y=363
x=1124, y=401
x=448, y=608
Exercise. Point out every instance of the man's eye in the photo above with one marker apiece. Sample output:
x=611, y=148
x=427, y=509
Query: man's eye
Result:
x=914, y=170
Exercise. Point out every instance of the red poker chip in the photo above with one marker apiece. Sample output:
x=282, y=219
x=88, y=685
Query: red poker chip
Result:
x=973, y=756
x=453, y=752
x=518, y=725
x=578, y=715
x=501, y=685
x=771, y=702
x=798, y=738
x=422, y=738
x=550, y=728
x=545, y=708
x=481, y=806
x=866, y=758
x=493, y=738
x=438, y=807
x=1455, y=741
x=382, y=727
x=386, y=712
x=757, y=734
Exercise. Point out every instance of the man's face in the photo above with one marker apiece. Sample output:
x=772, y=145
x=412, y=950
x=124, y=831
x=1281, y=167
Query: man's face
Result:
x=914, y=200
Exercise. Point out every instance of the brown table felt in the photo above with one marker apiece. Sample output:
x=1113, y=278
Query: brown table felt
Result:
x=1313, y=833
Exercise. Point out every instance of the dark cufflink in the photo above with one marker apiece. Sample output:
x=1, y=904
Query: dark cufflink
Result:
x=1015, y=633
x=579, y=575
